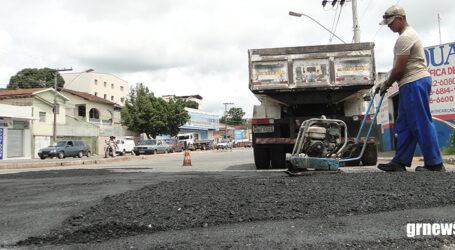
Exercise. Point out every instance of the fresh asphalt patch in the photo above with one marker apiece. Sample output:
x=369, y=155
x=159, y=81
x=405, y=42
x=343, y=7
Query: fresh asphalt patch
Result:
x=211, y=200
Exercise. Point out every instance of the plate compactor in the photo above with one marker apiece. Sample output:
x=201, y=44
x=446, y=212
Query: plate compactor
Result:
x=322, y=145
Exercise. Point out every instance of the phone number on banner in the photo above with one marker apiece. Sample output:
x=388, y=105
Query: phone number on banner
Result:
x=444, y=82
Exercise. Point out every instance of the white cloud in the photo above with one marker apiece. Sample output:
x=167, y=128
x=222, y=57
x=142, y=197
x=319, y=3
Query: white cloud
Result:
x=188, y=47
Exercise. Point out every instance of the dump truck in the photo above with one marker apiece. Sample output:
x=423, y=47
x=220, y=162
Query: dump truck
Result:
x=191, y=141
x=294, y=84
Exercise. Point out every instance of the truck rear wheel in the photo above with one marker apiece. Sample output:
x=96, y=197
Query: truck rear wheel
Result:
x=261, y=158
x=370, y=156
x=278, y=158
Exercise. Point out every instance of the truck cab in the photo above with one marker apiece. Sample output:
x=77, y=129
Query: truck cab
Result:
x=187, y=139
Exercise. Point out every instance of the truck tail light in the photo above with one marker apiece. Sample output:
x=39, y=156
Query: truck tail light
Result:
x=262, y=121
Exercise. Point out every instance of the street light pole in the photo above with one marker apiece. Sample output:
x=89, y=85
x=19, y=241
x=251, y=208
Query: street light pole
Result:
x=292, y=13
x=54, y=131
x=225, y=113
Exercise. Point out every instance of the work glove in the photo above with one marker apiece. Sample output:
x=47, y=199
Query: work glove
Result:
x=381, y=88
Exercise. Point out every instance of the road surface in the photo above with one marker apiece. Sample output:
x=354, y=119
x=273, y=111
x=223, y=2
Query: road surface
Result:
x=220, y=201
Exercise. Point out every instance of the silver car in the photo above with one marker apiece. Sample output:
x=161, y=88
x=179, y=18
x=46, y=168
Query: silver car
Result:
x=151, y=146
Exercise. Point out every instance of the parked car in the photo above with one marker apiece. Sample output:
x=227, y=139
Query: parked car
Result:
x=174, y=145
x=151, y=146
x=224, y=144
x=125, y=146
x=62, y=149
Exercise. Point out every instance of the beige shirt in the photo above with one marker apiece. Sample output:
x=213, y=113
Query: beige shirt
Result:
x=408, y=43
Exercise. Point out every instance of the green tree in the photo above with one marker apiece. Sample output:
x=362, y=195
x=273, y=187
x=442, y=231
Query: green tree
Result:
x=145, y=113
x=178, y=116
x=35, y=78
x=191, y=104
x=234, y=117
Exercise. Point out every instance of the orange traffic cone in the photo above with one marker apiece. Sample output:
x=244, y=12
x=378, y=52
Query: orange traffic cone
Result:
x=187, y=160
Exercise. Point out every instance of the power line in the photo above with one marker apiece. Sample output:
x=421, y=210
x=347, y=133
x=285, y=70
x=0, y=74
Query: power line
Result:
x=380, y=27
x=336, y=25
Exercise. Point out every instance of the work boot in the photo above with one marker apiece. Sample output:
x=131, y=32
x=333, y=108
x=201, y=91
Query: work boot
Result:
x=392, y=167
x=439, y=168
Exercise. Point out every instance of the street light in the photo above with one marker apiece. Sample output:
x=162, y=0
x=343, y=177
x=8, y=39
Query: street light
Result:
x=292, y=13
x=225, y=113
x=54, y=131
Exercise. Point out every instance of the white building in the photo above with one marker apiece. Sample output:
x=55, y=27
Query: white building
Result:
x=15, y=133
x=106, y=86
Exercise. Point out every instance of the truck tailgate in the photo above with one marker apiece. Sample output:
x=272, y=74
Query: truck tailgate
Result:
x=313, y=67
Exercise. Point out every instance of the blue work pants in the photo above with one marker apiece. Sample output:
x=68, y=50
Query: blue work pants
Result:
x=415, y=125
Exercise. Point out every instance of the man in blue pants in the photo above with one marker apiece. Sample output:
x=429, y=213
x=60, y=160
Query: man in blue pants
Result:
x=414, y=123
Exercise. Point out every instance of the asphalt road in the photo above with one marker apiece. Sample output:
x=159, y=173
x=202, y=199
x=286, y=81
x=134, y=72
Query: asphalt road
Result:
x=220, y=201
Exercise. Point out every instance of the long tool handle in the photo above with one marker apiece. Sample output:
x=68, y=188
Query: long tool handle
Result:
x=365, y=118
x=369, y=131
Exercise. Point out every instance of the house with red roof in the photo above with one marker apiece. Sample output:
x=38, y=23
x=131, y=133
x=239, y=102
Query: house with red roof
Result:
x=79, y=116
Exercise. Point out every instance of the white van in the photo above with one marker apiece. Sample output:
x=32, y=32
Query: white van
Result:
x=125, y=146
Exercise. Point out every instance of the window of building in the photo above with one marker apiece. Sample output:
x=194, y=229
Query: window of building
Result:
x=122, y=99
x=112, y=85
x=96, y=93
x=96, y=82
x=81, y=111
x=105, y=96
x=94, y=114
x=105, y=84
x=121, y=88
x=42, y=116
x=112, y=97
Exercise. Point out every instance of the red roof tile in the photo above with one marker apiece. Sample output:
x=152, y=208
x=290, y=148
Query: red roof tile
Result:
x=88, y=96
x=19, y=92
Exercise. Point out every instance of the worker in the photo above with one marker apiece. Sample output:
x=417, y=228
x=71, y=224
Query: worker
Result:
x=414, y=123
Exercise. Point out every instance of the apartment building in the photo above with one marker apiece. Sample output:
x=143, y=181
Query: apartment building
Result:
x=104, y=85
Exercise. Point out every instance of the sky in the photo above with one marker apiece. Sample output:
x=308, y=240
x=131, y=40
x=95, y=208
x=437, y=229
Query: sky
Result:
x=193, y=47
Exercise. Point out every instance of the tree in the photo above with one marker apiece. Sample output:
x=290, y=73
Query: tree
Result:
x=234, y=117
x=145, y=113
x=191, y=104
x=35, y=78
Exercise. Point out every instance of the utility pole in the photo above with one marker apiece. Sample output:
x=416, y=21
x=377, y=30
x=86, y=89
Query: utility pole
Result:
x=225, y=113
x=355, y=19
x=355, y=22
x=54, y=131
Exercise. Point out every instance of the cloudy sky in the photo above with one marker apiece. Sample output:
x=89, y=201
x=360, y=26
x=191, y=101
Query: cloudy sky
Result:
x=187, y=47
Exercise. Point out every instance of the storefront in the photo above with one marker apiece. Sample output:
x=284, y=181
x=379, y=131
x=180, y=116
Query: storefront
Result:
x=15, y=134
x=201, y=123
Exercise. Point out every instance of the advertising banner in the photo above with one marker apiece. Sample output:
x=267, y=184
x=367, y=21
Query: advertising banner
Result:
x=441, y=66
x=240, y=134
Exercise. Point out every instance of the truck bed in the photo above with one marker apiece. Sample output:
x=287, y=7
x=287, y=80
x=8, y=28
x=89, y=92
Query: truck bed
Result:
x=312, y=71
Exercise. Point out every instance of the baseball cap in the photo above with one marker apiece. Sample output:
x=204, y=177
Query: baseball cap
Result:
x=391, y=13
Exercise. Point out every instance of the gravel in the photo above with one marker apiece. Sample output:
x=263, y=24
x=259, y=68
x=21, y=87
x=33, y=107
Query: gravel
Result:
x=199, y=202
